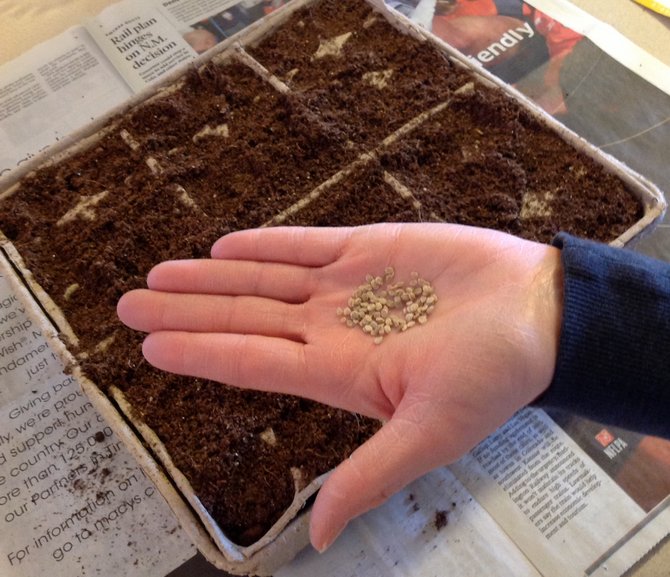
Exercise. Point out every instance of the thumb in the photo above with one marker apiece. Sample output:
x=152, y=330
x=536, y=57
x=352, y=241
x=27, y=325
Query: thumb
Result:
x=401, y=451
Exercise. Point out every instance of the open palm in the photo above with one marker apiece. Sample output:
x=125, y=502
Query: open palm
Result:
x=261, y=314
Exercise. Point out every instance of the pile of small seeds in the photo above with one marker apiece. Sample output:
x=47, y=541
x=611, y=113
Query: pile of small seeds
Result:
x=381, y=306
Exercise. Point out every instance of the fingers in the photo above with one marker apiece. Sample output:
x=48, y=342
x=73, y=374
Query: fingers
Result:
x=220, y=277
x=247, y=361
x=295, y=245
x=396, y=455
x=150, y=311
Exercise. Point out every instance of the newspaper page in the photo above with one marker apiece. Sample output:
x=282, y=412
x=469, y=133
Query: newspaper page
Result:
x=432, y=527
x=71, y=497
x=551, y=499
x=50, y=92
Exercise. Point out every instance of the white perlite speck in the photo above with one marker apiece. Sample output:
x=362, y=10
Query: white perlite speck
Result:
x=380, y=306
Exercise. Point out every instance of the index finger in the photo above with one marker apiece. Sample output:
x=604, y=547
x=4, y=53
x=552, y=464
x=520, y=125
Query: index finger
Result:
x=306, y=246
x=336, y=376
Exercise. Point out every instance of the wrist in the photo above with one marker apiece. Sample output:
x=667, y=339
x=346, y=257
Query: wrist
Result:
x=546, y=297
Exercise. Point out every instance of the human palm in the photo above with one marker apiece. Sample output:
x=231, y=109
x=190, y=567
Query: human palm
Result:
x=261, y=314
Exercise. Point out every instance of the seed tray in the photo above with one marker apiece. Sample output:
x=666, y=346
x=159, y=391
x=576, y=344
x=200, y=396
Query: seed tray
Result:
x=355, y=158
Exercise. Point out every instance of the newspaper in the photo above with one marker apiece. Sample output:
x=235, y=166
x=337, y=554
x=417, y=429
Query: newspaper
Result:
x=544, y=496
x=71, y=497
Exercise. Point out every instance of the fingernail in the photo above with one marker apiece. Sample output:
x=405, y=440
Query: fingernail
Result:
x=328, y=540
x=323, y=547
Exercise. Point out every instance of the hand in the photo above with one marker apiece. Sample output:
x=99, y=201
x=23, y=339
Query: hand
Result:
x=261, y=314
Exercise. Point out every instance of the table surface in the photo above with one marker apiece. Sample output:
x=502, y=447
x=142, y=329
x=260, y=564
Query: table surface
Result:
x=30, y=22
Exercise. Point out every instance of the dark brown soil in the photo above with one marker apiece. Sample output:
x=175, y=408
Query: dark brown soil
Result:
x=343, y=89
x=173, y=185
x=441, y=519
x=362, y=197
x=484, y=161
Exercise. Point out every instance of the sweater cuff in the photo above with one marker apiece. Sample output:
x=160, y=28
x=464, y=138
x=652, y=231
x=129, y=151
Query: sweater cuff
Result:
x=613, y=363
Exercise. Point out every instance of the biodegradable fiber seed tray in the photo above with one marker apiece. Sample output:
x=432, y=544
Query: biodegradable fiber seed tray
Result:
x=325, y=113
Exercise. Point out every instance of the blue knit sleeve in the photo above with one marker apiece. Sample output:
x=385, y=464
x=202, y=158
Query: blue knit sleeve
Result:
x=613, y=363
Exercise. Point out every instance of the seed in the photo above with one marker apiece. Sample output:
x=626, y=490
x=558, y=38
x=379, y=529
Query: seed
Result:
x=371, y=304
x=70, y=290
x=268, y=436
